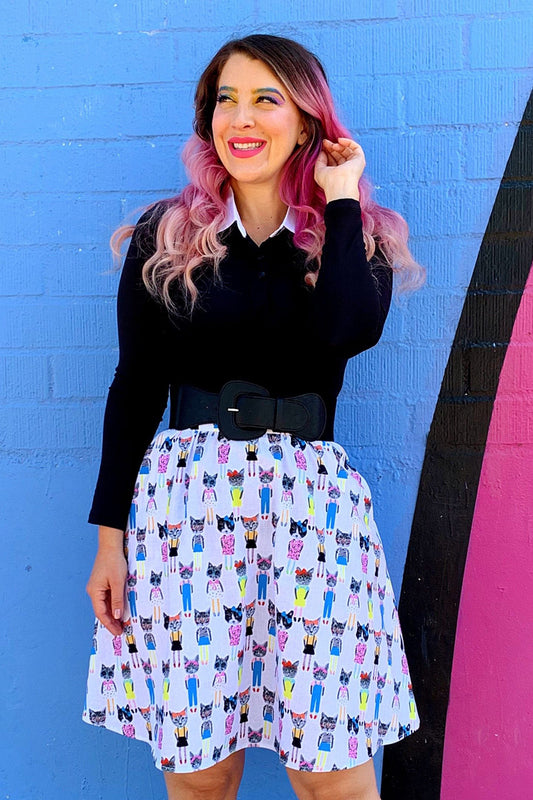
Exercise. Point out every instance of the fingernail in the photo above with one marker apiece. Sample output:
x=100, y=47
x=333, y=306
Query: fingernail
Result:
x=117, y=613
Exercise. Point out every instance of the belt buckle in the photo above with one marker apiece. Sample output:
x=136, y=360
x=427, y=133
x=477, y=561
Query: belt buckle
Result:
x=228, y=407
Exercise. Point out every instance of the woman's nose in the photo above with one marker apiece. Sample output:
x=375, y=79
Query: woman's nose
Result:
x=243, y=116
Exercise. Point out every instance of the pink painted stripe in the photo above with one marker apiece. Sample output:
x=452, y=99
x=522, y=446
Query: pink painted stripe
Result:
x=488, y=749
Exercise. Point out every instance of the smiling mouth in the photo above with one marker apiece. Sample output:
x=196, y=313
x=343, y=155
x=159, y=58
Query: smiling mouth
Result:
x=247, y=145
x=245, y=148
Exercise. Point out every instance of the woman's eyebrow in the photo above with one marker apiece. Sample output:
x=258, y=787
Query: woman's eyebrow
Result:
x=256, y=91
x=268, y=89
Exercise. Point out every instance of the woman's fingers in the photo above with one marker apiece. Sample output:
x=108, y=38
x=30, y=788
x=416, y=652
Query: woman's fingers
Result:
x=102, y=605
x=102, y=608
x=342, y=150
x=106, y=588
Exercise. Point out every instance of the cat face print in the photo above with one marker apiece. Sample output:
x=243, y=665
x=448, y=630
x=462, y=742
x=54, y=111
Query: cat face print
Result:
x=209, y=481
x=186, y=570
x=337, y=628
x=299, y=527
x=179, y=718
x=146, y=623
x=230, y=703
x=343, y=539
x=155, y=578
x=254, y=737
x=259, y=650
x=172, y=623
x=226, y=523
x=304, y=576
x=264, y=562
x=192, y=664
x=311, y=626
x=221, y=663
x=233, y=613
x=107, y=673
x=236, y=477
x=97, y=717
x=202, y=617
x=289, y=668
x=268, y=696
x=197, y=524
x=362, y=632
x=364, y=680
x=214, y=571
x=287, y=482
x=244, y=697
x=345, y=677
x=319, y=672
x=354, y=498
x=240, y=568
x=284, y=618
x=131, y=580
x=333, y=491
x=327, y=723
x=331, y=579
x=266, y=475
x=298, y=720
x=250, y=523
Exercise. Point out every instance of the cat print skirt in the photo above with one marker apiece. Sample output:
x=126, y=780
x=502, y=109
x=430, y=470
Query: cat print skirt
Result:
x=259, y=609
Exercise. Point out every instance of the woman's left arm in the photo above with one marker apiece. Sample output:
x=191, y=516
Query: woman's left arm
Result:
x=351, y=296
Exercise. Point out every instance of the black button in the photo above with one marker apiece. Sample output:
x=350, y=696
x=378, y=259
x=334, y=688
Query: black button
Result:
x=262, y=275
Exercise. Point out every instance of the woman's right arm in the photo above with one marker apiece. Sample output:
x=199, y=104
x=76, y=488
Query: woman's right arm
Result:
x=135, y=404
x=138, y=395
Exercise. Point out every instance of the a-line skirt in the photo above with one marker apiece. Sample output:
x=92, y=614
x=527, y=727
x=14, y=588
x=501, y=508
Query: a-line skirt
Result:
x=259, y=609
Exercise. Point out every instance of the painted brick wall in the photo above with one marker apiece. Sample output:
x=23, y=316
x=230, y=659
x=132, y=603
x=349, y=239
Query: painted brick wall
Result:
x=95, y=105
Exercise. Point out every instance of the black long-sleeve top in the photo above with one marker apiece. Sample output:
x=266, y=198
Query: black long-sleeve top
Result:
x=261, y=324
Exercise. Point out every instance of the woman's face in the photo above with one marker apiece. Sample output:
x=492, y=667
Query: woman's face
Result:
x=255, y=124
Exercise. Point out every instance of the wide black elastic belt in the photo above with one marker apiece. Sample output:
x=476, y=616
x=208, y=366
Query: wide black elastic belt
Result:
x=244, y=410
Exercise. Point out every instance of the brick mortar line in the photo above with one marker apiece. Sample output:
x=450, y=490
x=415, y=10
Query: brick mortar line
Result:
x=368, y=76
x=401, y=18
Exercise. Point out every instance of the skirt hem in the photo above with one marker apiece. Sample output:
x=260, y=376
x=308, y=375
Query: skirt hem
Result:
x=263, y=745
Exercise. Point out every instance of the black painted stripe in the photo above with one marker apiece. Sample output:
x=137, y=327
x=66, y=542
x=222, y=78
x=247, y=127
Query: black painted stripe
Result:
x=442, y=521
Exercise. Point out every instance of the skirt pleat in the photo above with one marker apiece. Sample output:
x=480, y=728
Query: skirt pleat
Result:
x=259, y=609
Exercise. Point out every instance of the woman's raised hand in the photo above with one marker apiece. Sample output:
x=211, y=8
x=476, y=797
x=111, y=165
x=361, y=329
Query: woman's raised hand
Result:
x=339, y=167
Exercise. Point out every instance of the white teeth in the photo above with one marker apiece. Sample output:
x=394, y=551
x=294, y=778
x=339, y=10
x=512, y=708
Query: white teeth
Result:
x=247, y=145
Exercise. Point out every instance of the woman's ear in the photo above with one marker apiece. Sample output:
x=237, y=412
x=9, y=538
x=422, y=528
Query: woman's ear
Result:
x=302, y=137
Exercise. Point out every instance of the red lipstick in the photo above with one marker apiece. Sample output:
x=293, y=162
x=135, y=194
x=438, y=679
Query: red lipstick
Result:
x=245, y=152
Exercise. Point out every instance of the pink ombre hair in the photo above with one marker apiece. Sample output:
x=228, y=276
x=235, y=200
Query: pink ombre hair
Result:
x=187, y=229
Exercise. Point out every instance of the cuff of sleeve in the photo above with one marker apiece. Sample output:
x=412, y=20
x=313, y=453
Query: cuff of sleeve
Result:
x=342, y=206
x=110, y=520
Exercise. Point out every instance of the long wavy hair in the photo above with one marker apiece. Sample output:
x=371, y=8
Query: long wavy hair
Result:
x=186, y=235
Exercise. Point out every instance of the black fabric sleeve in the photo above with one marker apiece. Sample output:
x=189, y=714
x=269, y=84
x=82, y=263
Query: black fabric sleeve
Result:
x=138, y=395
x=352, y=296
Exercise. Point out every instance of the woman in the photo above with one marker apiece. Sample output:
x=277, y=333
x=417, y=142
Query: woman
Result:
x=258, y=610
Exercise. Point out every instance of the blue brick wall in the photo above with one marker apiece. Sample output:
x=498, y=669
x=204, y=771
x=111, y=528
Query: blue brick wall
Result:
x=96, y=104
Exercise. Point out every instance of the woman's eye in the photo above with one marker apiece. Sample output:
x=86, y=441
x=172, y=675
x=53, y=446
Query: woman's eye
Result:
x=222, y=97
x=269, y=98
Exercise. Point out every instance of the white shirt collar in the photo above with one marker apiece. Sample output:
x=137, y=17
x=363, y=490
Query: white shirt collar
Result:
x=233, y=215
